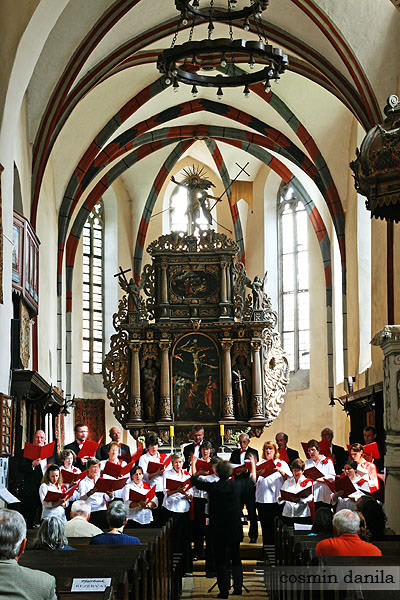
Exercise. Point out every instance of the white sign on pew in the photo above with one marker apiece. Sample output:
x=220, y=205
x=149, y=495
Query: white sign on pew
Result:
x=92, y=584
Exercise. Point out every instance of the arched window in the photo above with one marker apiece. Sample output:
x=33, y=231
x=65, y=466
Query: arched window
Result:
x=293, y=278
x=92, y=314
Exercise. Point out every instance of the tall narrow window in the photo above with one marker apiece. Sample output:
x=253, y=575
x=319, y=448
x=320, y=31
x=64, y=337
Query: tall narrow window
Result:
x=294, y=289
x=92, y=316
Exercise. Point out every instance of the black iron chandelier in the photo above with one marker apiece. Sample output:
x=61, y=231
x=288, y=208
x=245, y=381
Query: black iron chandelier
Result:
x=213, y=62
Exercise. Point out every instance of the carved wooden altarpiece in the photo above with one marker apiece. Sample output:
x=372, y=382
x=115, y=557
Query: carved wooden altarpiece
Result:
x=191, y=347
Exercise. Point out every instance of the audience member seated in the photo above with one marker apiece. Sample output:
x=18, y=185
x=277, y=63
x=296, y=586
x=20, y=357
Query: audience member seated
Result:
x=374, y=516
x=346, y=541
x=117, y=517
x=322, y=524
x=20, y=583
x=79, y=525
x=51, y=536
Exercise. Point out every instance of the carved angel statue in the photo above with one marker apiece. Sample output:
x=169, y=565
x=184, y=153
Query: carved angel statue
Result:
x=260, y=299
x=136, y=302
x=198, y=198
x=276, y=375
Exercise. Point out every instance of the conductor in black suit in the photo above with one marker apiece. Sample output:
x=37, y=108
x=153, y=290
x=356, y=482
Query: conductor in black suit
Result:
x=81, y=435
x=237, y=458
x=33, y=471
x=281, y=441
x=194, y=448
x=124, y=453
x=225, y=509
x=338, y=454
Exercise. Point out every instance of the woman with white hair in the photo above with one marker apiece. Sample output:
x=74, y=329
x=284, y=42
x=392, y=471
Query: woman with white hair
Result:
x=51, y=535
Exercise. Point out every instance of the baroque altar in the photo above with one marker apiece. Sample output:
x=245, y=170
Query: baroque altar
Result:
x=193, y=346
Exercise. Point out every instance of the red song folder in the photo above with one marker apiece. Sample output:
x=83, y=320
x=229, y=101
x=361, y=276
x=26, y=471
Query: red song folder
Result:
x=34, y=452
x=54, y=496
x=241, y=468
x=292, y=497
x=202, y=465
x=109, y=485
x=344, y=485
x=152, y=466
x=283, y=455
x=325, y=447
x=313, y=473
x=112, y=469
x=305, y=448
x=266, y=469
x=68, y=477
x=138, y=497
x=372, y=450
x=175, y=484
x=88, y=449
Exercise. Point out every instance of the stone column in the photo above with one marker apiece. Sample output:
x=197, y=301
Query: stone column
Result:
x=163, y=291
x=227, y=400
x=165, y=395
x=256, y=397
x=164, y=284
x=136, y=403
x=223, y=283
x=389, y=340
x=228, y=283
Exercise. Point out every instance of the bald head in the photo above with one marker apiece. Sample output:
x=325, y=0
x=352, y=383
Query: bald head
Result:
x=39, y=439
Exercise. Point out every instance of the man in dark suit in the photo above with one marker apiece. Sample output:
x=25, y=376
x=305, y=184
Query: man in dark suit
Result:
x=249, y=499
x=81, y=435
x=16, y=581
x=225, y=506
x=115, y=435
x=33, y=471
x=281, y=441
x=370, y=436
x=194, y=448
x=338, y=454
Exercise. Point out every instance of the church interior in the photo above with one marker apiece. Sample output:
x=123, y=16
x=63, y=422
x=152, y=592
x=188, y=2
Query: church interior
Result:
x=95, y=145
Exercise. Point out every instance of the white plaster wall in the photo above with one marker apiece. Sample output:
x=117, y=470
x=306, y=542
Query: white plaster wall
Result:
x=47, y=231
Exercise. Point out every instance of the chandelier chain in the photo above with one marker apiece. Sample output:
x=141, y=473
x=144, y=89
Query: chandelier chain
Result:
x=211, y=23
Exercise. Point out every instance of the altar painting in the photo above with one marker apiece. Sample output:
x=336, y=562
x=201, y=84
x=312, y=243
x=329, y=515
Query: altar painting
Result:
x=196, y=378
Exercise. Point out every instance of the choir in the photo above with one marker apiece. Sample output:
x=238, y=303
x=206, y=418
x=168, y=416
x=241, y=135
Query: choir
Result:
x=155, y=486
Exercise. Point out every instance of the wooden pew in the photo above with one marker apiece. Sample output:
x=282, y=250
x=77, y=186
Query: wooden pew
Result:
x=158, y=557
x=122, y=563
x=359, y=561
x=66, y=594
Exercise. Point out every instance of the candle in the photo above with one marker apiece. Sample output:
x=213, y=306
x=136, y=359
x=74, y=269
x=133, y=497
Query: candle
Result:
x=172, y=431
x=222, y=429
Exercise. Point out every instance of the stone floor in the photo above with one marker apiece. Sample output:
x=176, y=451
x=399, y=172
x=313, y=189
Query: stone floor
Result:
x=198, y=586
